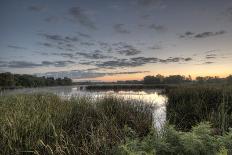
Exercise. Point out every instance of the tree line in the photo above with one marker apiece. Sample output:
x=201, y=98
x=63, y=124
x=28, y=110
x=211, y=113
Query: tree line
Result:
x=178, y=79
x=9, y=80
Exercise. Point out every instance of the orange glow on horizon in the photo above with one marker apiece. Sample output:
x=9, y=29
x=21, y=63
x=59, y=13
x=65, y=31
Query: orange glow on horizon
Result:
x=140, y=76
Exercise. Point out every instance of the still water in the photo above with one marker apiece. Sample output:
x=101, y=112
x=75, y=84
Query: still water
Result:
x=147, y=96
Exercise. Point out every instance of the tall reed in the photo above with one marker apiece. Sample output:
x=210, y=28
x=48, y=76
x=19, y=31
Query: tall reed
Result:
x=46, y=124
x=188, y=106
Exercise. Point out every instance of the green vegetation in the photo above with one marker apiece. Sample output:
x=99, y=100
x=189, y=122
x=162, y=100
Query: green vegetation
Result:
x=46, y=124
x=160, y=82
x=199, y=141
x=8, y=80
x=190, y=105
x=128, y=86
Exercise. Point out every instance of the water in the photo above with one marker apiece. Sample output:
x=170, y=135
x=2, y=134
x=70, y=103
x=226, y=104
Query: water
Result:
x=147, y=96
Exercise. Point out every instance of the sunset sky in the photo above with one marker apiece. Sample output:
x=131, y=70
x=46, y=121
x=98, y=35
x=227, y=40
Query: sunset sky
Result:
x=110, y=40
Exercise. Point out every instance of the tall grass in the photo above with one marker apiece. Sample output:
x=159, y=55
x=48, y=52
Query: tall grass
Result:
x=187, y=106
x=46, y=124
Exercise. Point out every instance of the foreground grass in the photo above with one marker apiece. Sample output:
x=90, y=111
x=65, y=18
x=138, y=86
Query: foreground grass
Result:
x=199, y=141
x=46, y=124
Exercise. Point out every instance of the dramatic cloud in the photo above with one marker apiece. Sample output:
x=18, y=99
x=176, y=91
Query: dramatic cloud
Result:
x=26, y=64
x=202, y=35
x=83, y=74
x=158, y=28
x=37, y=8
x=17, y=47
x=120, y=29
x=79, y=15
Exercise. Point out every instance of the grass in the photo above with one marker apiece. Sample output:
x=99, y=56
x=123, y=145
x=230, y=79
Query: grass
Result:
x=188, y=106
x=46, y=124
x=129, y=86
x=199, y=141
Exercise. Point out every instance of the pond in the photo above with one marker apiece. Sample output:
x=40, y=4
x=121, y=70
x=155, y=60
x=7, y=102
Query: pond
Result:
x=147, y=96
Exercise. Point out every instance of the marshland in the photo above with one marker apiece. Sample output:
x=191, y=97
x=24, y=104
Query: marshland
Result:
x=115, y=77
x=185, y=119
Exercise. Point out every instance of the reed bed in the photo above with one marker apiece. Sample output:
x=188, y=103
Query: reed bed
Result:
x=190, y=105
x=46, y=124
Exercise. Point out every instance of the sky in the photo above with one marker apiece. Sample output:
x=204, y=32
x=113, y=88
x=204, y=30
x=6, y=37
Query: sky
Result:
x=109, y=40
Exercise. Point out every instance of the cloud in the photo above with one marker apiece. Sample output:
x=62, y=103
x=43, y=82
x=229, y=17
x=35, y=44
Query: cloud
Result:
x=56, y=37
x=158, y=28
x=66, y=43
x=211, y=56
x=94, y=55
x=208, y=62
x=125, y=49
x=189, y=34
x=117, y=63
x=65, y=55
x=17, y=47
x=175, y=59
x=79, y=15
x=85, y=74
x=84, y=35
x=27, y=64
x=209, y=34
x=37, y=8
x=128, y=50
x=120, y=29
x=87, y=43
x=140, y=61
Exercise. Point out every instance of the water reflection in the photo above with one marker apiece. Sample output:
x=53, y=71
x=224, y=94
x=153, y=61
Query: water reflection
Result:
x=147, y=96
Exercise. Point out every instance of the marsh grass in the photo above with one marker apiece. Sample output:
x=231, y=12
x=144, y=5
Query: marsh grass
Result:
x=200, y=140
x=47, y=124
x=188, y=106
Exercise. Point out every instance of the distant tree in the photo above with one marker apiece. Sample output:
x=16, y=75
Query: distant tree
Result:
x=11, y=80
x=174, y=79
x=200, y=79
x=7, y=79
x=151, y=80
x=229, y=79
